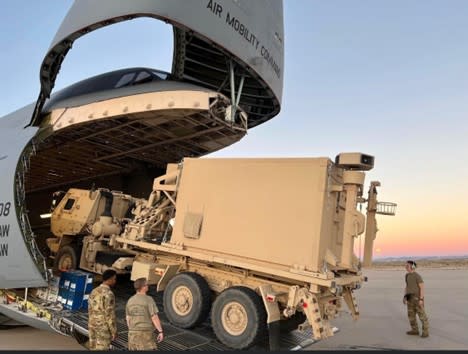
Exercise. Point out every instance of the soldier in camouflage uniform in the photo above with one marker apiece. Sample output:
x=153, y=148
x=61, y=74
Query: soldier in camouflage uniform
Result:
x=102, y=327
x=414, y=300
x=142, y=318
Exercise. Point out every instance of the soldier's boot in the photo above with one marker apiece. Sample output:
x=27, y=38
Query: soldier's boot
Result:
x=87, y=345
x=425, y=333
x=414, y=327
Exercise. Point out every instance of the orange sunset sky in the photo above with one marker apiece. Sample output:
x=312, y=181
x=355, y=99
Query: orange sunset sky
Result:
x=430, y=220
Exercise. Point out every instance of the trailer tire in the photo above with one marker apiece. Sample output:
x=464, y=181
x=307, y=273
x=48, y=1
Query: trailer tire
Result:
x=187, y=300
x=66, y=259
x=239, y=317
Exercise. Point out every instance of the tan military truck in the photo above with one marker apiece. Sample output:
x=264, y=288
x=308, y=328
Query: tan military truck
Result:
x=253, y=242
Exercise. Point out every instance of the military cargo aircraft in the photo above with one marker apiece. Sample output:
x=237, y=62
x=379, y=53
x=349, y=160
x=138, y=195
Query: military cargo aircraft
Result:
x=120, y=129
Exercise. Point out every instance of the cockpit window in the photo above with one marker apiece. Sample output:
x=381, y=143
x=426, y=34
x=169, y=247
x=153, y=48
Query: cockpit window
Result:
x=108, y=81
x=143, y=77
x=160, y=74
x=125, y=80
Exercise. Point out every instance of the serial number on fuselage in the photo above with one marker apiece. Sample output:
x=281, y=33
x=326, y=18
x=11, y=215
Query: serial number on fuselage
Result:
x=5, y=208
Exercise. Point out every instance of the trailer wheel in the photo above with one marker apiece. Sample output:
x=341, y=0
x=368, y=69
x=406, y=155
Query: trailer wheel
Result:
x=65, y=259
x=187, y=300
x=238, y=317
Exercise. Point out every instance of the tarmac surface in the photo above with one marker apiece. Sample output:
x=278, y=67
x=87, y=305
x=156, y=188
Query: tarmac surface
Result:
x=382, y=324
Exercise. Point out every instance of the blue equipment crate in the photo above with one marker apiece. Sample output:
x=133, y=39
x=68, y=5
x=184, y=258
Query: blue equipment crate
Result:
x=74, y=289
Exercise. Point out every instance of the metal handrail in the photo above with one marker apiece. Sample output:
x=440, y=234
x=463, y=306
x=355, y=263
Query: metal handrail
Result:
x=386, y=208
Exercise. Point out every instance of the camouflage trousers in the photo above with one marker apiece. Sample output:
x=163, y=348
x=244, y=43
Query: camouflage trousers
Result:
x=413, y=310
x=99, y=339
x=142, y=340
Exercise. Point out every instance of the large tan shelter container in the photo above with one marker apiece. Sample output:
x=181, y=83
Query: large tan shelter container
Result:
x=277, y=211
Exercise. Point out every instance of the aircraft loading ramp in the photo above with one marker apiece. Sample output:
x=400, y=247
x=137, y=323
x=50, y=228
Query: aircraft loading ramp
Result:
x=200, y=338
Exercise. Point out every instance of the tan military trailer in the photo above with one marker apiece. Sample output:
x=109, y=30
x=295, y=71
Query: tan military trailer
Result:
x=256, y=242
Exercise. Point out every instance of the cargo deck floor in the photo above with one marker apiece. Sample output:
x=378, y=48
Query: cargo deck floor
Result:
x=200, y=338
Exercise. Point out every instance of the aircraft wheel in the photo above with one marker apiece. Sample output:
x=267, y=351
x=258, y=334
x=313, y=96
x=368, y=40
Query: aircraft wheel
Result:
x=187, y=300
x=238, y=317
x=66, y=259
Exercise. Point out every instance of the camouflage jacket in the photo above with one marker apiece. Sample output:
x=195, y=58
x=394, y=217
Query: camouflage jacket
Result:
x=101, y=310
